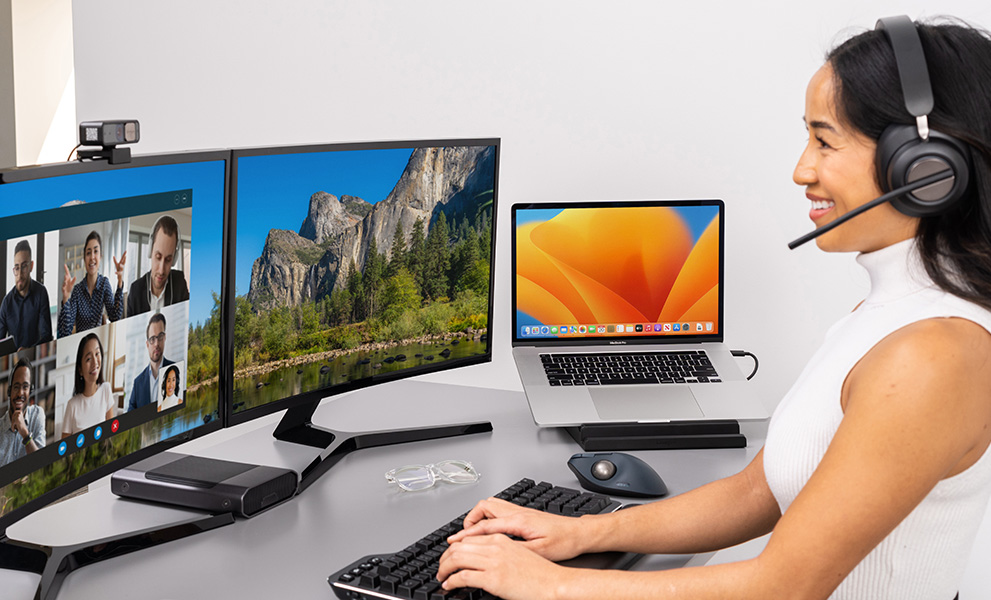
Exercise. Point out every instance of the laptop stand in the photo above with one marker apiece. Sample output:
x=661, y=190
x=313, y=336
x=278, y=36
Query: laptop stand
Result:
x=680, y=435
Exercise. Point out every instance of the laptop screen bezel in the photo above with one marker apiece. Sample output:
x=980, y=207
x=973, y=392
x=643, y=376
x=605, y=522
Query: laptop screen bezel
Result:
x=620, y=340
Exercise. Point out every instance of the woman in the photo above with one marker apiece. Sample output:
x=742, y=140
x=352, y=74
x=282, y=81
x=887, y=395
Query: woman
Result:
x=84, y=302
x=876, y=469
x=92, y=401
x=170, y=389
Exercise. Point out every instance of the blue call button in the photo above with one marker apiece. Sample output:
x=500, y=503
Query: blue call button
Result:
x=80, y=440
x=98, y=433
x=62, y=447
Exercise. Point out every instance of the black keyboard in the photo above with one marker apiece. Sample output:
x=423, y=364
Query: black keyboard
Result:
x=411, y=573
x=626, y=368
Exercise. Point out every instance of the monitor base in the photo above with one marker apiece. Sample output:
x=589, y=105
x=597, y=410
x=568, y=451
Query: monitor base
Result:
x=297, y=428
x=55, y=563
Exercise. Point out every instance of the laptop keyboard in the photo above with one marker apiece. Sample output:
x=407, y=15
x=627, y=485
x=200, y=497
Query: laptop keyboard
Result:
x=626, y=368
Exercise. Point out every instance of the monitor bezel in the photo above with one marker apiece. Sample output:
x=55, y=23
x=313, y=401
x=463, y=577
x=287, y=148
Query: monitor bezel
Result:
x=35, y=172
x=618, y=341
x=314, y=397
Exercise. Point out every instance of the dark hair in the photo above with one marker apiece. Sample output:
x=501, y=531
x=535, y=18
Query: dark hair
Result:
x=165, y=379
x=168, y=226
x=22, y=246
x=22, y=363
x=79, y=386
x=93, y=235
x=955, y=246
x=157, y=317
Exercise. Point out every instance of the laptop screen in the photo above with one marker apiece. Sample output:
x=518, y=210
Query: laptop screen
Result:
x=644, y=271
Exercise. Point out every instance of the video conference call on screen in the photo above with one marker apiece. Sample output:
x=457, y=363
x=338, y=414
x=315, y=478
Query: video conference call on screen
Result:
x=99, y=354
x=341, y=266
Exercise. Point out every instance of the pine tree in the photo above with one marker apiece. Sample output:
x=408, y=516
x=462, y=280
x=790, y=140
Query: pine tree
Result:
x=416, y=255
x=356, y=291
x=437, y=260
x=372, y=277
x=397, y=256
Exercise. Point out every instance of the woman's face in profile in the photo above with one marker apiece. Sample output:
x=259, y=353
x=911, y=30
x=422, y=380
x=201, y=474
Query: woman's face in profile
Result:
x=837, y=170
x=92, y=362
x=170, y=383
x=92, y=257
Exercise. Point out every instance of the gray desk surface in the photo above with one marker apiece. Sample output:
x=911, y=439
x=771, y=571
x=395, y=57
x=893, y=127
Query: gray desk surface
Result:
x=350, y=512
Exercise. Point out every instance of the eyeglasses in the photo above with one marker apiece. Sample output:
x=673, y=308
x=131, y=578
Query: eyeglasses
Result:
x=160, y=338
x=413, y=478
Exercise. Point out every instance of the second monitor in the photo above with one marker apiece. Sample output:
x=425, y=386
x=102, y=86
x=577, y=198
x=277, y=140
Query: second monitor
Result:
x=354, y=265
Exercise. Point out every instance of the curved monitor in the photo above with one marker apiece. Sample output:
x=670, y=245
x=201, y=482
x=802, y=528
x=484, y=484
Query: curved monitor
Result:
x=111, y=277
x=357, y=264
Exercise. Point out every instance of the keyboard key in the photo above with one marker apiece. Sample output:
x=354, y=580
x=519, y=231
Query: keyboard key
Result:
x=388, y=584
x=426, y=591
x=628, y=380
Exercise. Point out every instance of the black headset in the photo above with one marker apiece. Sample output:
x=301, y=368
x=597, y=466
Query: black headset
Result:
x=907, y=153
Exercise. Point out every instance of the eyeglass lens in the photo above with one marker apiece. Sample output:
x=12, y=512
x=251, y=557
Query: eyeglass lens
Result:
x=421, y=477
x=456, y=471
x=415, y=478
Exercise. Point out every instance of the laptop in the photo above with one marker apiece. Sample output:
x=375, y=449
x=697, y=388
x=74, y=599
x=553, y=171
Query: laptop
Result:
x=618, y=314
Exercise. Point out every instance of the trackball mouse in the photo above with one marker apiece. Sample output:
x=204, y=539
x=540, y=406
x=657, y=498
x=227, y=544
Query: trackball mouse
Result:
x=617, y=474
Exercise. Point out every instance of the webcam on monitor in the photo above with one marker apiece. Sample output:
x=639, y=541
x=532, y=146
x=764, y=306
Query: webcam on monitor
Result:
x=108, y=135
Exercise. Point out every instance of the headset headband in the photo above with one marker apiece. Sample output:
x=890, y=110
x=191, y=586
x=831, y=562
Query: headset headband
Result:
x=912, y=69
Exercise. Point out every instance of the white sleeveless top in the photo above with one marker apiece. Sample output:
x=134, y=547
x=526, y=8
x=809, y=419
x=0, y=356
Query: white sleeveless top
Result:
x=925, y=555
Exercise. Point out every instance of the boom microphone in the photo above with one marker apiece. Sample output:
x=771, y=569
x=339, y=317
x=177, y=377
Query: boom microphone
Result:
x=910, y=187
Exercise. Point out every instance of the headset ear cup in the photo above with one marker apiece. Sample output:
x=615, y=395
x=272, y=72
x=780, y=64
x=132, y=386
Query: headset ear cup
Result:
x=902, y=157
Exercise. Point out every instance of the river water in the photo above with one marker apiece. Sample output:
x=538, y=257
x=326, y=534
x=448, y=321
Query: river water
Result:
x=257, y=390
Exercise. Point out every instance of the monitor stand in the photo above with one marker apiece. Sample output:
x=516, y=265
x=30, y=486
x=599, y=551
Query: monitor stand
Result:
x=297, y=427
x=54, y=562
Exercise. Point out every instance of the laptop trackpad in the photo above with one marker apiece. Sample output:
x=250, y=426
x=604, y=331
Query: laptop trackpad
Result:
x=647, y=403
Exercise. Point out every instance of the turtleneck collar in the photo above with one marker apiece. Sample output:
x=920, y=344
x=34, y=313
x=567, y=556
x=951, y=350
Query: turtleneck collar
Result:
x=894, y=271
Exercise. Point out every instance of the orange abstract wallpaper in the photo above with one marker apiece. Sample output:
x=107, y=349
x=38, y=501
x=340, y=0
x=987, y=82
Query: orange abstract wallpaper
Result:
x=631, y=265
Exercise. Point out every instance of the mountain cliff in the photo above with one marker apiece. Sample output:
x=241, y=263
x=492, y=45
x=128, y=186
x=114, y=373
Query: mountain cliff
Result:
x=329, y=216
x=337, y=230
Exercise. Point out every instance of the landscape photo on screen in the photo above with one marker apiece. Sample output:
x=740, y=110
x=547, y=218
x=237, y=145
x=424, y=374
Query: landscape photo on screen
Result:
x=357, y=263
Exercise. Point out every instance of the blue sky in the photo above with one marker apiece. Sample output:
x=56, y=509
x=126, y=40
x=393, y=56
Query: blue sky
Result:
x=206, y=179
x=273, y=192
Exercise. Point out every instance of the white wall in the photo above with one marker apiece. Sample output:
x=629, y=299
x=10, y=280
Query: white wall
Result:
x=37, y=86
x=617, y=100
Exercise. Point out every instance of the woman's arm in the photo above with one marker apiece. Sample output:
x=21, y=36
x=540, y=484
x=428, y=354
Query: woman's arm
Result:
x=67, y=315
x=679, y=525
x=718, y=515
x=113, y=300
x=917, y=410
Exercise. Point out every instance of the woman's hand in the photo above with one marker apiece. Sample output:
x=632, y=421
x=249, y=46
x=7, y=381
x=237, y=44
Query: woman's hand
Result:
x=500, y=566
x=119, y=267
x=67, y=284
x=553, y=537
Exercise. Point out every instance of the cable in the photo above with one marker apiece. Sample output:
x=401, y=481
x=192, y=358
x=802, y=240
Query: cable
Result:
x=740, y=353
x=71, y=151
